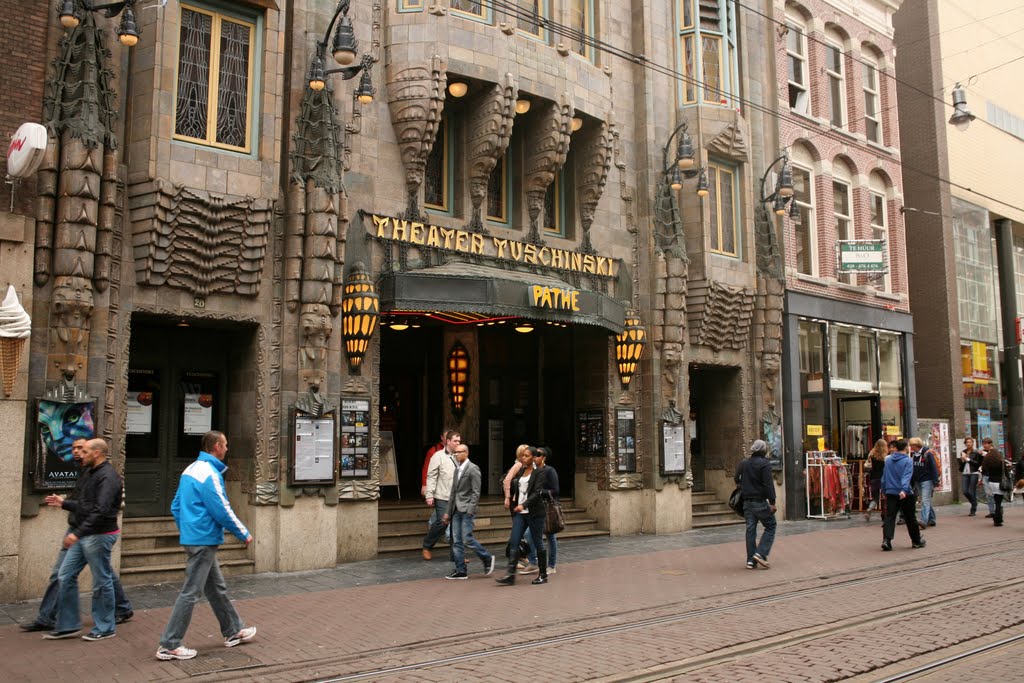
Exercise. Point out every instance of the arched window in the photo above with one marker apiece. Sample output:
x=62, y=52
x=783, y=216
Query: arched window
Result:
x=796, y=60
x=805, y=240
x=842, y=208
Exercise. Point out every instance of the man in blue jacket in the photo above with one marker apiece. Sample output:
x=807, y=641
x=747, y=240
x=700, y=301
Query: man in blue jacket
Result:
x=899, y=496
x=925, y=478
x=202, y=512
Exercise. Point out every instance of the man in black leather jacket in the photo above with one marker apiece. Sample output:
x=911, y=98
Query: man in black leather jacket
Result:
x=754, y=475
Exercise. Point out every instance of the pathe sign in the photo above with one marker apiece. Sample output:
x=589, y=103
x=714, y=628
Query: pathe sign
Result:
x=464, y=241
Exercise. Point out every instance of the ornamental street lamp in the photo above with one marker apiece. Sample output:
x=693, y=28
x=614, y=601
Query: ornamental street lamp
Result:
x=127, y=30
x=360, y=307
x=343, y=49
x=629, y=346
x=782, y=198
x=683, y=166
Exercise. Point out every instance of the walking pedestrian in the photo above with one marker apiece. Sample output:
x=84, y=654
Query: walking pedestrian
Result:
x=924, y=478
x=899, y=496
x=440, y=471
x=529, y=512
x=506, y=483
x=550, y=493
x=875, y=466
x=990, y=500
x=90, y=542
x=202, y=513
x=754, y=476
x=993, y=466
x=970, y=472
x=46, y=618
x=439, y=446
x=462, y=508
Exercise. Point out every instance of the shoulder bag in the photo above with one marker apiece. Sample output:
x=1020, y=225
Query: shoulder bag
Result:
x=554, y=518
x=1006, y=481
x=736, y=501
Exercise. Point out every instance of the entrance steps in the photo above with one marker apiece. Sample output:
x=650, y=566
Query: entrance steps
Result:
x=402, y=526
x=151, y=552
x=709, y=511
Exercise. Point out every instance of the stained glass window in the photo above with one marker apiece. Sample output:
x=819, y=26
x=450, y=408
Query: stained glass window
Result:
x=474, y=7
x=552, y=222
x=215, y=63
x=435, y=175
x=530, y=12
x=722, y=199
x=708, y=51
x=581, y=20
x=497, y=208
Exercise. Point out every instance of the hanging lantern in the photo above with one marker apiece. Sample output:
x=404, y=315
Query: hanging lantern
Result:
x=360, y=308
x=629, y=346
x=458, y=378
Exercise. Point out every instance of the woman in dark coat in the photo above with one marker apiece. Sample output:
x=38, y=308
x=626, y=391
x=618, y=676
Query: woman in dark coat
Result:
x=993, y=466
x=529, y=513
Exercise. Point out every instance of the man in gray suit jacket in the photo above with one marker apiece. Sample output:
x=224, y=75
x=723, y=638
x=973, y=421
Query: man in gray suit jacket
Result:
x=462, y=509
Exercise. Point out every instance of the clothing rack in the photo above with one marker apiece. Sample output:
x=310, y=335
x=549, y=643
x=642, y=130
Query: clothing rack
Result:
x=828, y=485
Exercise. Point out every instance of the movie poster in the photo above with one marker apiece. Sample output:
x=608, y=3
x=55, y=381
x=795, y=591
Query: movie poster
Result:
x=58, y=425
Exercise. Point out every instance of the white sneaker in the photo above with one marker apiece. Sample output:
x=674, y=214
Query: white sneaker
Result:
x=243, y=636
x=529, y=569
x=551, y=570
x=180, y=652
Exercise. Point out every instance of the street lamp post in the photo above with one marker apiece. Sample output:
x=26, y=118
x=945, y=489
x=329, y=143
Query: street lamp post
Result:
x=782, y=196
x=127, y=30
x=343, y=49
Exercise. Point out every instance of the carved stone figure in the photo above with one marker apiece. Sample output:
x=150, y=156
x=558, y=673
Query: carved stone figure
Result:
x=490, y=128
x=415, y=99
x=316, y=327
x=549, y=136
x=71, y=308
x=721, y=315
x=314, y=403
x=596, y=156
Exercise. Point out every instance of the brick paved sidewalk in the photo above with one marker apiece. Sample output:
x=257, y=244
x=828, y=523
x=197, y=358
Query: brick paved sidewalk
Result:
x=387, y=603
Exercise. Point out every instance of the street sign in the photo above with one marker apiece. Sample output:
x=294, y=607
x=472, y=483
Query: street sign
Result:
x=861, y=256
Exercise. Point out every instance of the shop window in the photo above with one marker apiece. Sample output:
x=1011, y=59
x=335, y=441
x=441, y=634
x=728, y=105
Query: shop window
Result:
x=497, y=192
x=805, y=244
x=1018, y=270
x=531, y=12
x=437, y=176
x=844, y=220
x=812, y=358
x=852, y=358
x=836, y=85
x=975, y=272
x=473, y=9
x=216, y=54
x=796, y=58
x=872, y=111
x=582, y=21
x=708, y=51
x=723, y=198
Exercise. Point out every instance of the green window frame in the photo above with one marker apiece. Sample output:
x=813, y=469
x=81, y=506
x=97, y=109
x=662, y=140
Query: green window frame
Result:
x=540, y=9
x=477, y=10
x=723, y=200
x=708, y=55
x=216, y=60
x=410, y=5
x=438, y=188
x=497, y=209
x=554, y=209
x=582, y=18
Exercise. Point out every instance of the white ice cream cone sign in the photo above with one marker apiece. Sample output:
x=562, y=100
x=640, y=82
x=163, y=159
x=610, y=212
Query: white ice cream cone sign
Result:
x=15, y=328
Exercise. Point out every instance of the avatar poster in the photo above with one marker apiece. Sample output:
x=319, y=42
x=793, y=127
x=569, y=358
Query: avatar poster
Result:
x=58, y=425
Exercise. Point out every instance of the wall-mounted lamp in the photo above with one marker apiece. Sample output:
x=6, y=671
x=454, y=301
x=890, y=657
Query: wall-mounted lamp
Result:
x=629, y=346
x=360, y=308
x=522, y=106
x=702, y=183
x=782, y=199
x=682, y=166
x=577, y=123
x=398, y=327
x=127, y=31
x=343, y=49
x=458, y=88
x=962, y=116
x=524, y=327
x=458, y=378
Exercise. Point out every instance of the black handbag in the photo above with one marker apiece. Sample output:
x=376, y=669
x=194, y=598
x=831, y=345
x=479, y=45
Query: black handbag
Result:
x=1006, y=482
x=554, y=518
x=736, y=501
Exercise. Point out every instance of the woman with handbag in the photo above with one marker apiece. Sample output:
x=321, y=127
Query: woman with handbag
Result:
x=875, y=467
x=993, y=467
x=529, y=512
x=550, y=493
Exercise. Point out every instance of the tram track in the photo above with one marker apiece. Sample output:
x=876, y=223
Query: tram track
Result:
x=958, y=658
x=421, y=656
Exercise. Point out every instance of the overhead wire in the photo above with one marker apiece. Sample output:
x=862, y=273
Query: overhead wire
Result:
x=517, y=12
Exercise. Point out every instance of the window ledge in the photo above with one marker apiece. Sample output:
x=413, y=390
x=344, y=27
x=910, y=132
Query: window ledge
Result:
x=813, y=279
x=860, y=289
x=811, y=118
x=888, y=295
x=891, y=151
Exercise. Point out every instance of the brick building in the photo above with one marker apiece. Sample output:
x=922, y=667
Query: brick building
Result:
x=848, y=359
x=215, y=204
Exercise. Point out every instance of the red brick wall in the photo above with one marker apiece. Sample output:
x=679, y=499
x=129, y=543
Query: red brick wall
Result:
x=22, y=73
x=825, y=144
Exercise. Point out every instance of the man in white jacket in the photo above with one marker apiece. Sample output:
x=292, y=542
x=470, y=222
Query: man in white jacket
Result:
x=440, y=472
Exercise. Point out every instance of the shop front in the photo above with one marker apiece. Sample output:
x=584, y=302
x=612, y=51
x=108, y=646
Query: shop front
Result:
x=849, y=384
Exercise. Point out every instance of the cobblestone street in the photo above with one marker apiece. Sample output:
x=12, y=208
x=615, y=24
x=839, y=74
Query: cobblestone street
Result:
x=680, y=607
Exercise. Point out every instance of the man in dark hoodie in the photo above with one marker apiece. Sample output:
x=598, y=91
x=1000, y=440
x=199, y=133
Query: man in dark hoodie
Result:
x=925, y=478
x=754, y=475
x=899, y=496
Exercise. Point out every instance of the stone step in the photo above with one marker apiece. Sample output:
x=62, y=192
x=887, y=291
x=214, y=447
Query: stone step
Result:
x=497, y=545
x=409, y=512
x=706, y=519
x=715, y=506
x=234, y=550
x=156, y=539
x=498, y=532
x=175, y=573
x=143, y=525
x=419, y=525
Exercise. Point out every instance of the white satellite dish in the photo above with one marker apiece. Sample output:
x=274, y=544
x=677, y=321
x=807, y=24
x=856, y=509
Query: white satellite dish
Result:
x=26, y=150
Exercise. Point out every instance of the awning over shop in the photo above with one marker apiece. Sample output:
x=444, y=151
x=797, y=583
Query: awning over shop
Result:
x=472, y=288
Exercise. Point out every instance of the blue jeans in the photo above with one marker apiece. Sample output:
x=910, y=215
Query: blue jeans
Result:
x=202, y=577
x=520, y=523
x=759, y=511
x=94, y=551
x=48, y=607
x=462, y=536
x=552, y=549
x=924, y=492
x=437, y=527
x=969, y=487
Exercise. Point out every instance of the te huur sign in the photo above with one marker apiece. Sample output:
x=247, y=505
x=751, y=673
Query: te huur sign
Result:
x=453, y=239
x=861, y=256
